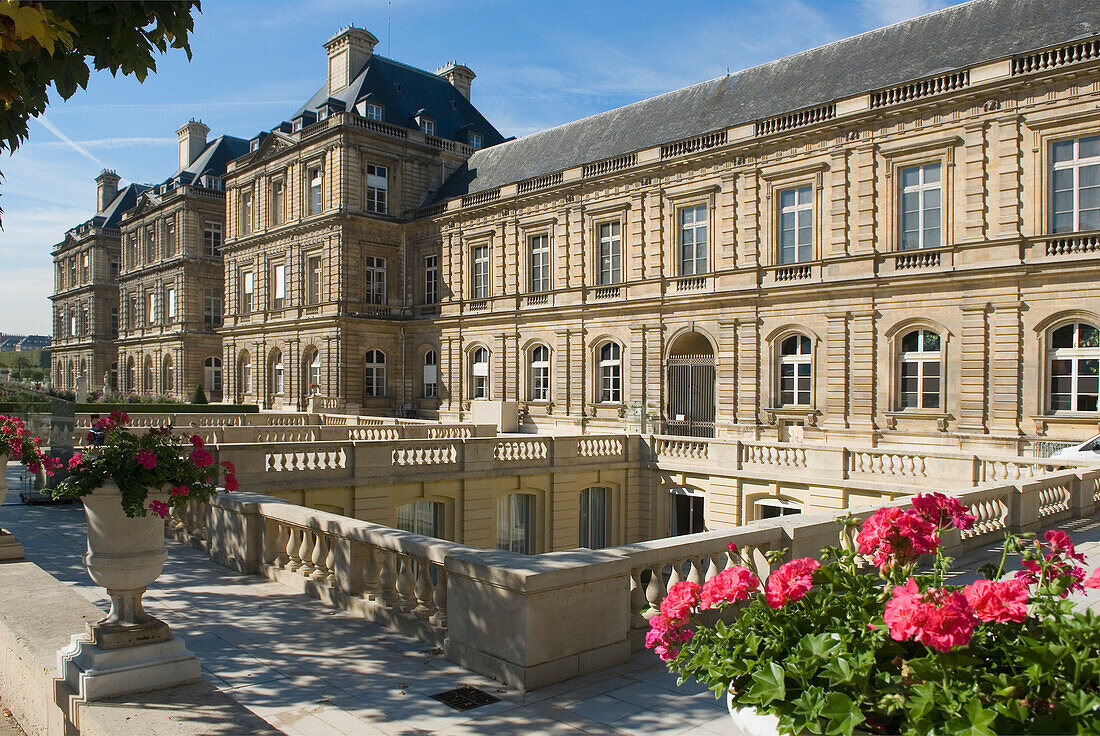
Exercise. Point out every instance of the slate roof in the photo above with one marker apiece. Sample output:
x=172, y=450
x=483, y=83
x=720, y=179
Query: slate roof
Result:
x=213, y=159
x=125, y=200
x=956, y=37
x=403, y=91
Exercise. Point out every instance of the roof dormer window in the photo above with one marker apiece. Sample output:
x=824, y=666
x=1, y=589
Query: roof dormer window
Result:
x=296, y=125
x=374, y=111
x=475, y=140
x=427, y=125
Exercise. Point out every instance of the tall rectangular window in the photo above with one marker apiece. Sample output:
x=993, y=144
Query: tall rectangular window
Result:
x=538, y=259
x=278, y=202
x=375, y=269
x=150, y=245
x=132, y=312
x=150, y=307
x=85, y=321
x=313, y=279
x=796, y=214
x=693, y=240
x=515, y=523
x=169, y=239
x=687, y=514
x=594, y=521
x=86, y=267
x=212, y=239
x=431, y=279
x=246, y=213
x=248, y=288
x=212, y=307
x=377, y=189
x=131, y=251
x=72, y=272
x=278, y=286
x=610, y=255
x=114, y=322
x=421, y=517
x=921, y=217
x=116, y=268
x=479, y=274
x=315, y=177
x=169, y=303
x=1075, y=185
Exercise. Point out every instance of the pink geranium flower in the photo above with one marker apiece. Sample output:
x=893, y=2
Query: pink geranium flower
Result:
x=197, y=442
x=119, y=417
x=728, y=586
x=893, y=535
x=938, y=618
x=160, y=508
x=179, y=491
x=943, y=511
x=146, y=459
x=998, y=600
x=1093, y=581
x=665, y=635
x=74, y=461
x=681, y=600
x=230, y=469
x=201, y=458
x=231, y=483
x=790, y=582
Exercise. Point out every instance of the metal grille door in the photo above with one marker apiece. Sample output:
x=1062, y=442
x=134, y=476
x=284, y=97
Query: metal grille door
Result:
x=690, y=395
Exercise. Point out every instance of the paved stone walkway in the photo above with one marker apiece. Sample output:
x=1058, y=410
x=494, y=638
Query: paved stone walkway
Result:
x=311, y=671
x=8, y=725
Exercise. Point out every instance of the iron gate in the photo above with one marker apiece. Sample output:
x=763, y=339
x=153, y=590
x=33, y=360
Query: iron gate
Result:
x=690, y=395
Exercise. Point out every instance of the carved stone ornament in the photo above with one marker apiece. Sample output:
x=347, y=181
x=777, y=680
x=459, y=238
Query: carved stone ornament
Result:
x=891, y=422
x=991, y=105
x=769, y=416
x=1040, y=427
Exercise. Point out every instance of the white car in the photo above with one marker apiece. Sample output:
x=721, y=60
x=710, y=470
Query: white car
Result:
x=1087, y=450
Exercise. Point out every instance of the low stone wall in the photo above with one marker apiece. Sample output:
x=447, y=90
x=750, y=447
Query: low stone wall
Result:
x=38, y=615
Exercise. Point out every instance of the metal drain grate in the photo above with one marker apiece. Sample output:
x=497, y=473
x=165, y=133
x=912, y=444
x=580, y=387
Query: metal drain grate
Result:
x=465, y=698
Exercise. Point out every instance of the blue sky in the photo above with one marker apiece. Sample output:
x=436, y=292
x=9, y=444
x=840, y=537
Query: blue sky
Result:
x=538, y=64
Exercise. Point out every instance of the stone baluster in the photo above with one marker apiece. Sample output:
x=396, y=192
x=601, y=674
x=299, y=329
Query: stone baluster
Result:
x=306, y=553
x=281, y=557
x=653, y=592
x=424, y=594
x=674, y=577
x=320, y=553
x=637, y=599
x=439, y=618
x=330, y=564
x=406, y=584
x=387, y=578
x=694, y=575
x=371, y=568
x=293, y=544
x=712, y=568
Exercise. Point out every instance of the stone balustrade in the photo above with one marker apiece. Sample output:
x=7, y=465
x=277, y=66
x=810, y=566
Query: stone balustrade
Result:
x=530, y=621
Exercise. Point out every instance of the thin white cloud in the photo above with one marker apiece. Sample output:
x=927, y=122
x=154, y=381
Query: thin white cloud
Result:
x=107, y=143
x=67, y=140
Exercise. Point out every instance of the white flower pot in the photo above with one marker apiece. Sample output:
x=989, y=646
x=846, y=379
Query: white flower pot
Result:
x=124, y=556
x=747, y=722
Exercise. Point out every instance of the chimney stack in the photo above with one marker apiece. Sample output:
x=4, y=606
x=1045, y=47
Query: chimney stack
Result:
x=192, y=141
x=348, y=51
x=107, y=188
x=459, y=76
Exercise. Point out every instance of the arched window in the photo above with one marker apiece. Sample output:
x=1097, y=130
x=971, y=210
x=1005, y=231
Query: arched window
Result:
x=921, y=370
x=431, y=374
x=57, y=374
x=796, y=371
x=595, y=521
x=540, y=374
x=131, y=374
x=611, y=373
x=244, y=373
x=167, y=376
x=278, y=374
x=1073, y=360
x=313, y=366
x=147, y=374
x=479, y=374
x=516, y=523
x=72, y=375
x=212, y=378
x=84, y=370
x=374, y=374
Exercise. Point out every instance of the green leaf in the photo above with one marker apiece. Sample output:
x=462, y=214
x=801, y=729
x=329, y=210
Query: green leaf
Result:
x=843, y=714
x=769, y=684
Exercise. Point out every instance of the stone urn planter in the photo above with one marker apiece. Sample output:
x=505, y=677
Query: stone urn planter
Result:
x=747, y=722
x=125, y=555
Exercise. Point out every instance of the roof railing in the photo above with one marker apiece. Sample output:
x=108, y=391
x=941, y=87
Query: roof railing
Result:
x=691, y=145
x=540, y=182
x=799, y=119
x=1053, y=58
x=609, y=165
x=481, y=197
x=923, y=88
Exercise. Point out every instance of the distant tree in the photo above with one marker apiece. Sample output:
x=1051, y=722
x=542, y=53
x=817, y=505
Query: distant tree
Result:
x=199, y=397
x=44, y=43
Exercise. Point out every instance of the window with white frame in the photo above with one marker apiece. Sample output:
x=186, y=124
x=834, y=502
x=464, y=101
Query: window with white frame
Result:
x=1073, y=362
x=476, y=141
x=374, y=375
x=132, y=312
x=86, y=267
x=116, y=268
x=169, y=238
x=315, y=178
x=609, y=253
x=114, y=322
x=131, y=251
x=921, y=371
x=516, y=523
x=693, y=240
x=167, y=375
x=147, y=375
x=686, y=514
x=540, y=374
x=375, y=272
x=431, y=374
x=479, y=273
x=244, y=373
x=169, y=303
x=1075, y=185
x=278, y=202
x=538, y=260
x=278, y=373
x=248, y=288
x=427, y=125
x=278, y=286
x=595, y=521
x=921, y=213
x=212, y=239
x=422, y=517
x=131, y=374
x=796, y=371
x=72, y=271
x=313, y=279
x=212, y=377
x=245, y=219
x=313, y=366
x=150, y=246
x=479, y=374
x=374, y=111
x=150, y=307
x=431, y=279
x=212, y=307
x=85, y=321
x=796, y=214
x=112, y=377
x=377, y=189
x=610, y=372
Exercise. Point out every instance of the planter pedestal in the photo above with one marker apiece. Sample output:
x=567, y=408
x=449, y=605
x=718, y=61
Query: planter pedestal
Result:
x=10, y=548
x=128, y=650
